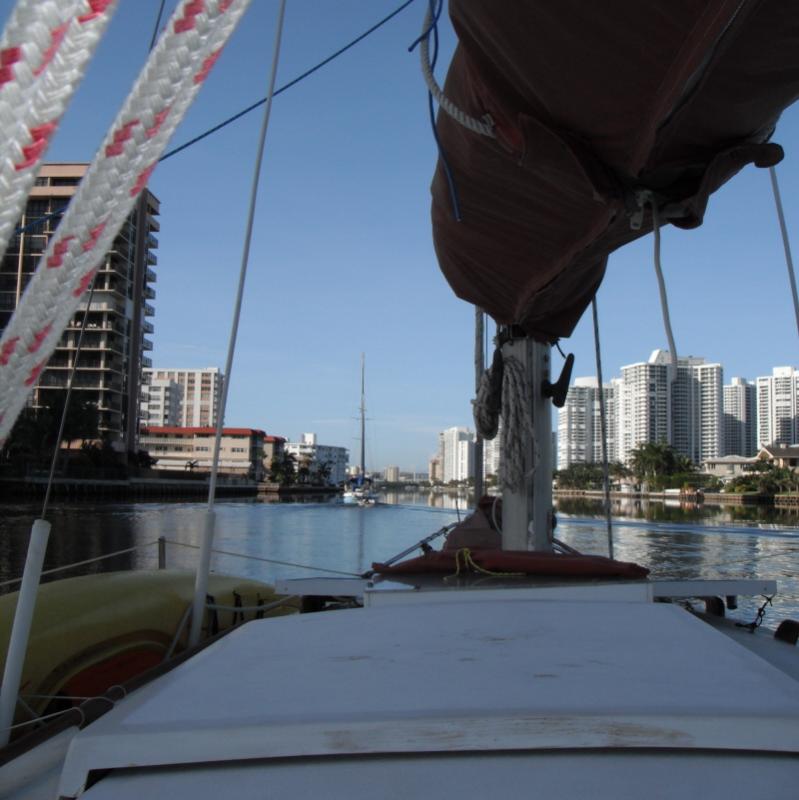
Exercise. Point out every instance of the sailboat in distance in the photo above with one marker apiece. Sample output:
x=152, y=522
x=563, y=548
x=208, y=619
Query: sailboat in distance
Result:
x=360, y=487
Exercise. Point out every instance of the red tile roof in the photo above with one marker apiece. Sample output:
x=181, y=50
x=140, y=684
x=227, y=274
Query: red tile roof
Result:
x=169, y=430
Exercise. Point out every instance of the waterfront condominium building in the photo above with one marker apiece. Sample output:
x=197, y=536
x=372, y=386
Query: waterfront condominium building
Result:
x=160, y=402
x=644, y=408
x=392, y=474
x=456, y=453
x=241, y=450
x=200, y=393
x=313, y=456
x=112, y=353
x=739, y=419
x=778, y=407
x=579, y=439
x=682, y=409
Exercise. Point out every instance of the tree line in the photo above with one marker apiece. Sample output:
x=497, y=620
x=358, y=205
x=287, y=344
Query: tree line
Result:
x=656, y=466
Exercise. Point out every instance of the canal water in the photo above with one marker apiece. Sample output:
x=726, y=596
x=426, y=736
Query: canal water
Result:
x=673, y=541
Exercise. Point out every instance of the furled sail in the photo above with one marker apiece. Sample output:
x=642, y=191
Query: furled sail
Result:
x=598, y=109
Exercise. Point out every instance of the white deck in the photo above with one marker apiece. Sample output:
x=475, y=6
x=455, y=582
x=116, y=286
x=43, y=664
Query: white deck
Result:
x=515, y=674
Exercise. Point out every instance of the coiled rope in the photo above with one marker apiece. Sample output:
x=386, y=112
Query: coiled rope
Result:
x=169, y=82
x=512, y=405
x=44, y=50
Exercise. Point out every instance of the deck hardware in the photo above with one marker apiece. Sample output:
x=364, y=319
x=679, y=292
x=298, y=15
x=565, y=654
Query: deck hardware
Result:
x=787, y=631
x=558, y=390
x=758, y=620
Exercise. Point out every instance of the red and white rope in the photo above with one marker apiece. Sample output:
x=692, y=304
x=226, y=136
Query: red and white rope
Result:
x=169, y=82
x=44, y=50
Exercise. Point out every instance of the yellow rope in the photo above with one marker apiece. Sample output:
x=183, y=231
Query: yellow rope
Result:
x=463, y=558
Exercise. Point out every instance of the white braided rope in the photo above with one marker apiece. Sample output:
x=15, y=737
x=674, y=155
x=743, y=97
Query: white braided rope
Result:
x=486, y=417
x=160, y=97
x=516, y=427
x=44, y=51
x=485, y=126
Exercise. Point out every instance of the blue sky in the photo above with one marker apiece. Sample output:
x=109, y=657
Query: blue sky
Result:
x=342, y=259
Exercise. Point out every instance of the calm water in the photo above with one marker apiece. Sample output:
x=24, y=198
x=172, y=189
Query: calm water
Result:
x=673, y=541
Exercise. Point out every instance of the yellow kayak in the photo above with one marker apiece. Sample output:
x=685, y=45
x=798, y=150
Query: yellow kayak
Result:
x=97, y=631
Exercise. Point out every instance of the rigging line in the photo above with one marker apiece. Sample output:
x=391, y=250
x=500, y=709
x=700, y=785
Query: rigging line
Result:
x=603, y=422
x=786, y=245
x=484, y=126
x=157, y=25
x=265, y=560
x=664, y=301
x=83, y=563
x=435, y=13
x=67, y=398
x=201, y=581
x=288, y=85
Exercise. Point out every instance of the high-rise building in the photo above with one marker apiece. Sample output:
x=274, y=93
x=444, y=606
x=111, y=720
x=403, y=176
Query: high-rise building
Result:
x=579, y=436
x=778, y=407
x=160, y=402
x=739, y=419
x=644, y=405
x=456, y=453
x=707, y=411
x=434, y=469
x=392, y=474
x=200, y=393
x=682, y=409
x=112, y=352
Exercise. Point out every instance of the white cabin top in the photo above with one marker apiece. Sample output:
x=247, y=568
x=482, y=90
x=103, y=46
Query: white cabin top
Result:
x=513, y=674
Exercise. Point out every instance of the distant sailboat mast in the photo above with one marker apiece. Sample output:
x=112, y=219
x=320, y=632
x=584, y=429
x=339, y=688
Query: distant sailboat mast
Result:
x=363, y=417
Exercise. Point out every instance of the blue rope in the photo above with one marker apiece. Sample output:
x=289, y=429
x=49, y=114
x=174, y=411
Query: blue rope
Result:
x=435, y=13
x=247, y=110
x=288, y=85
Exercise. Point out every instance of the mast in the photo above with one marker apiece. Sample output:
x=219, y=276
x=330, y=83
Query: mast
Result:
x=527, y=512
x=363, y=417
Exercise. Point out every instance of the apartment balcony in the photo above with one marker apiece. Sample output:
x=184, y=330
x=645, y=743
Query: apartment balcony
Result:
x=151, y=276
x=149, y=293
x=152, y=258
x=146, y=344
x=146, y=362
x=97, y=382
x=148, y=327
x=149, y=311
x=103, y=305
x=152, y=241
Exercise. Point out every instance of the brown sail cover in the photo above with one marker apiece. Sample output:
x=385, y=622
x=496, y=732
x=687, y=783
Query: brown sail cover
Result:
x=593, y=101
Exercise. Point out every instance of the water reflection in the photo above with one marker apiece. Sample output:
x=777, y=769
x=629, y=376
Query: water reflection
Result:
x=673, y=541
x=679, y=511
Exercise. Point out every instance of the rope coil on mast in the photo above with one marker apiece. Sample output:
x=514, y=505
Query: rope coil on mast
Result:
x=168, y=84
x=503, y=404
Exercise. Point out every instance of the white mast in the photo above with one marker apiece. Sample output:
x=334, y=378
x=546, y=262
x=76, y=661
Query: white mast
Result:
x=527, y=512
x=363, y=417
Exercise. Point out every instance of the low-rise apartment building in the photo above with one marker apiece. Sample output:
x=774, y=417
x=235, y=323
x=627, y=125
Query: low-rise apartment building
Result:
x=310, y=455
x=241, y=449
